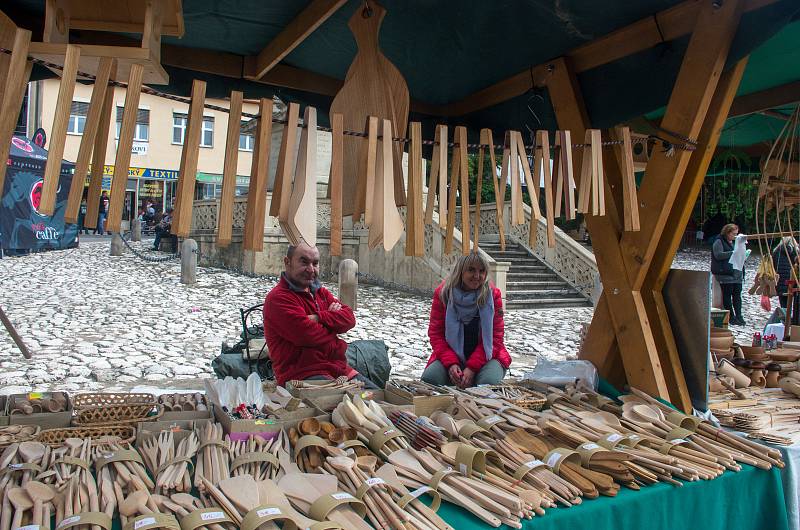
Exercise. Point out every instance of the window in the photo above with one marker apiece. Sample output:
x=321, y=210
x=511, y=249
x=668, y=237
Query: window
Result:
x=178, y=128
x=207, y=136
x=142, y=131
x=77, y=117
x=246, y=139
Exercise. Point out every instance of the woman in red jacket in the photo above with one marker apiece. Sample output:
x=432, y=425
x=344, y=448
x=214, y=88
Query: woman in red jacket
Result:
x=466, y=328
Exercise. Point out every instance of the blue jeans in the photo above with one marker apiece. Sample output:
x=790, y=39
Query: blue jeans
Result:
x=101, y=224
x=490, y=373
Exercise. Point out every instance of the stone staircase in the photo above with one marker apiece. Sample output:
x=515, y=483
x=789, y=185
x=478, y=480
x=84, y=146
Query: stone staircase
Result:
x=530, y=284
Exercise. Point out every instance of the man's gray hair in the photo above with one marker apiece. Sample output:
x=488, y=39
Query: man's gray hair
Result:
x=290, y=251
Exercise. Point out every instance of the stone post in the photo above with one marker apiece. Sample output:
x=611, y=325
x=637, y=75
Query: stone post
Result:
x=189, y=261
x=117, y=246
x=136, y=230
x=348, y=283
x=497, y=274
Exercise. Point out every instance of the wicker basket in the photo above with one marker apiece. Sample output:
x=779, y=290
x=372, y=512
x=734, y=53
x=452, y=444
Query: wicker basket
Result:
x=115, y=409
x=56, y=437
x=528, y=399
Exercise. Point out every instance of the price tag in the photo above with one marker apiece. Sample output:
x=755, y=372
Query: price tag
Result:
x=34, y=395
x=68, y=521
x=212, y=516
x=553, y=460
x=491, y=420
x=678, y=441
x=144, y=522
x=269, y=511
x=14, y=466
x=420, y=491
x=463, y=469
x=589, y=446
x=614, y=437
x=341, y=496
x=375, y=481
x=29, y=527
x=534, y=464
x=388, y=432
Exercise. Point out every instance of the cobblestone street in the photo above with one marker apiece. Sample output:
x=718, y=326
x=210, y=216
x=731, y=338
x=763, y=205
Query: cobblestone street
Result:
x=94, y=321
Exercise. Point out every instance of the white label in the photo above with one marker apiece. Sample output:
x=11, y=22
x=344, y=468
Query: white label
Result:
x=553, y=460
x=634, y=437
x=212, y=516
x=533, y=463
x=144, y=522
x=68, y=521
x=589, y=446
x=493, y=395
x=491, y=420
x=14, y=466
x=677, y=441
x=420, y=491
x=463, y=469
x=108, y=455
x=29, y=527
x=269, y=511
x=387, y=433
x=614, y=437
x=342, y=496
x=375, y=481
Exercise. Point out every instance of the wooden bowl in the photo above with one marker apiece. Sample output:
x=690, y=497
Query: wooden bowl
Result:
x=721, y=331
x=721, y=343
x=723, y=354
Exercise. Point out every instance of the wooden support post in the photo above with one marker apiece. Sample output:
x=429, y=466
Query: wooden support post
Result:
x=255, y=215
x=122, y=161
x=87, y=140
x=18, y=72
x=58, y=135
x=187, y=174
x=335, y=182
x=225, y=217
x=99, y=155
x=415, y=229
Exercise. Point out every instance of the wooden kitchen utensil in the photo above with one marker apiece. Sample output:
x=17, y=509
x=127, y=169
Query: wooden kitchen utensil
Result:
x=242, y=491
x=335, y=182
x=415, y=229
x=282, y=188
x=387, y=225
x=542, y=167
x=373, y=87
x=21, y=502
x=486, y=139
x=437, y=182
x=39, y=494
x=229, y=167
x=624, y=153
x=532, y=185
x=259, y=169
x=305, y=492
x=301, y=220
x=562, y=167
x=370, y=159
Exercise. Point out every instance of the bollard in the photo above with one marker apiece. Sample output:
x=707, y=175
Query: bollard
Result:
x=348, y=283
x=189, y=261
x=136, y=230
x=117, y=246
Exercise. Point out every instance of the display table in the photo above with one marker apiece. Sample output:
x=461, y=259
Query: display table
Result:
x=751, y=499
x=790, y=475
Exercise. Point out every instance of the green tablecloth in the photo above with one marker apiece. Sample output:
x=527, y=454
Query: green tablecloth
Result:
x=751, y=499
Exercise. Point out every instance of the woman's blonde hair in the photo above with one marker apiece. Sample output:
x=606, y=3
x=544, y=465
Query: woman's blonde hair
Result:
x=727, y=229
x=454, y=279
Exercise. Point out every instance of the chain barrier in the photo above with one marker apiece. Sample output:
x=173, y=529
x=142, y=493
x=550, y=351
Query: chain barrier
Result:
x=145, y=257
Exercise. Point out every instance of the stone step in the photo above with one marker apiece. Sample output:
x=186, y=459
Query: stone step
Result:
x=524, y=285
x=543, y=293
x=547, y=303
x=545, y=275
x=524, y=267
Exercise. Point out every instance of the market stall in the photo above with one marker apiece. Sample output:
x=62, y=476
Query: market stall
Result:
x=332, y=455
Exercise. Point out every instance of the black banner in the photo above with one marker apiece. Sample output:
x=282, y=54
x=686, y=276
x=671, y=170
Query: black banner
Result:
x=22, y=226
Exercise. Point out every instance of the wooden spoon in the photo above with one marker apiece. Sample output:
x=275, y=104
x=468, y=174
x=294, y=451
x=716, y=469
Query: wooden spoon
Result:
x=40, y=493
x=21, y=501
x=30, y=452
x=242, y=491
x=300, y=487
x=270, y=493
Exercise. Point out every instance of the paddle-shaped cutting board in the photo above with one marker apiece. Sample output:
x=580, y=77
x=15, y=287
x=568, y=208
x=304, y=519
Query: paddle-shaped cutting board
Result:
x=301, y=222
x=373, y=87
x=387, y=225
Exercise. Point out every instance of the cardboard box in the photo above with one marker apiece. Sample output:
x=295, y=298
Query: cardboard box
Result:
x=389, y=402
x=423, y=405
x=266, y=425
x=189, y=415
x=45, y=420
x=180, y=429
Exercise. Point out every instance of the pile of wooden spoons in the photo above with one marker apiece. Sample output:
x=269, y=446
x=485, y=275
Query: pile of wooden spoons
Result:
x=170, y=465
x=17, y=433
x=213, y=454
x=183, y=402
x=253, y=457
x=22, y=462
x=371, y=423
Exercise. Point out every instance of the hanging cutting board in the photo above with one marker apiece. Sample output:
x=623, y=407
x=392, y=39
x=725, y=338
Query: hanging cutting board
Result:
x=438, y=177
x=301, y=223
x=335, y=182
x=387, y=225
x=487, y=139
x=533, y=189
x=415, y=231
x=282, y=188
x=542, y=168
x=373, y=87
x=624, y=153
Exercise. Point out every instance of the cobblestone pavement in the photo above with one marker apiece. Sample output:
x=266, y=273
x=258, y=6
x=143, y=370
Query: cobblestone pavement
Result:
x=94, y=321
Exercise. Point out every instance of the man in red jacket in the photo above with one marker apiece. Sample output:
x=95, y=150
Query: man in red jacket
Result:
x=302, y=321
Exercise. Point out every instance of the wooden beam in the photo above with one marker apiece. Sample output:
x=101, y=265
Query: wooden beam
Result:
x=691, y=96
x=629, y=327
x=99, y=155
x=58, y=134
x=778, y=96
x=122, y=161
x=90, y=129
x=225, y=218
x=672, y=23
x=187, y=173
x=303, y=25
x=151, y=32
x=17, y=72
x=256, y=213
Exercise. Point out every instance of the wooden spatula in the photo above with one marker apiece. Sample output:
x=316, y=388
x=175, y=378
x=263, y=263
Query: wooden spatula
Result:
x=242, y=491
x=438, y=177
x=335, y=182
x=387, y=225
x=302, y=215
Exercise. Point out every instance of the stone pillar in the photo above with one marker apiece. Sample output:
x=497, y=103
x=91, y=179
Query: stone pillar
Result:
x=136, y=230
x=117, y=246
x=189, y=261
x=497, y=274
x=348, y=283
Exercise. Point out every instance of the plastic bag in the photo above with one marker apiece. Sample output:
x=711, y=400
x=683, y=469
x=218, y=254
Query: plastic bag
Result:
x=765, y=303
x=561, y=373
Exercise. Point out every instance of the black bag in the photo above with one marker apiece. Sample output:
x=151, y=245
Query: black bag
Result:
x=371, y=359
x=232, y=362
